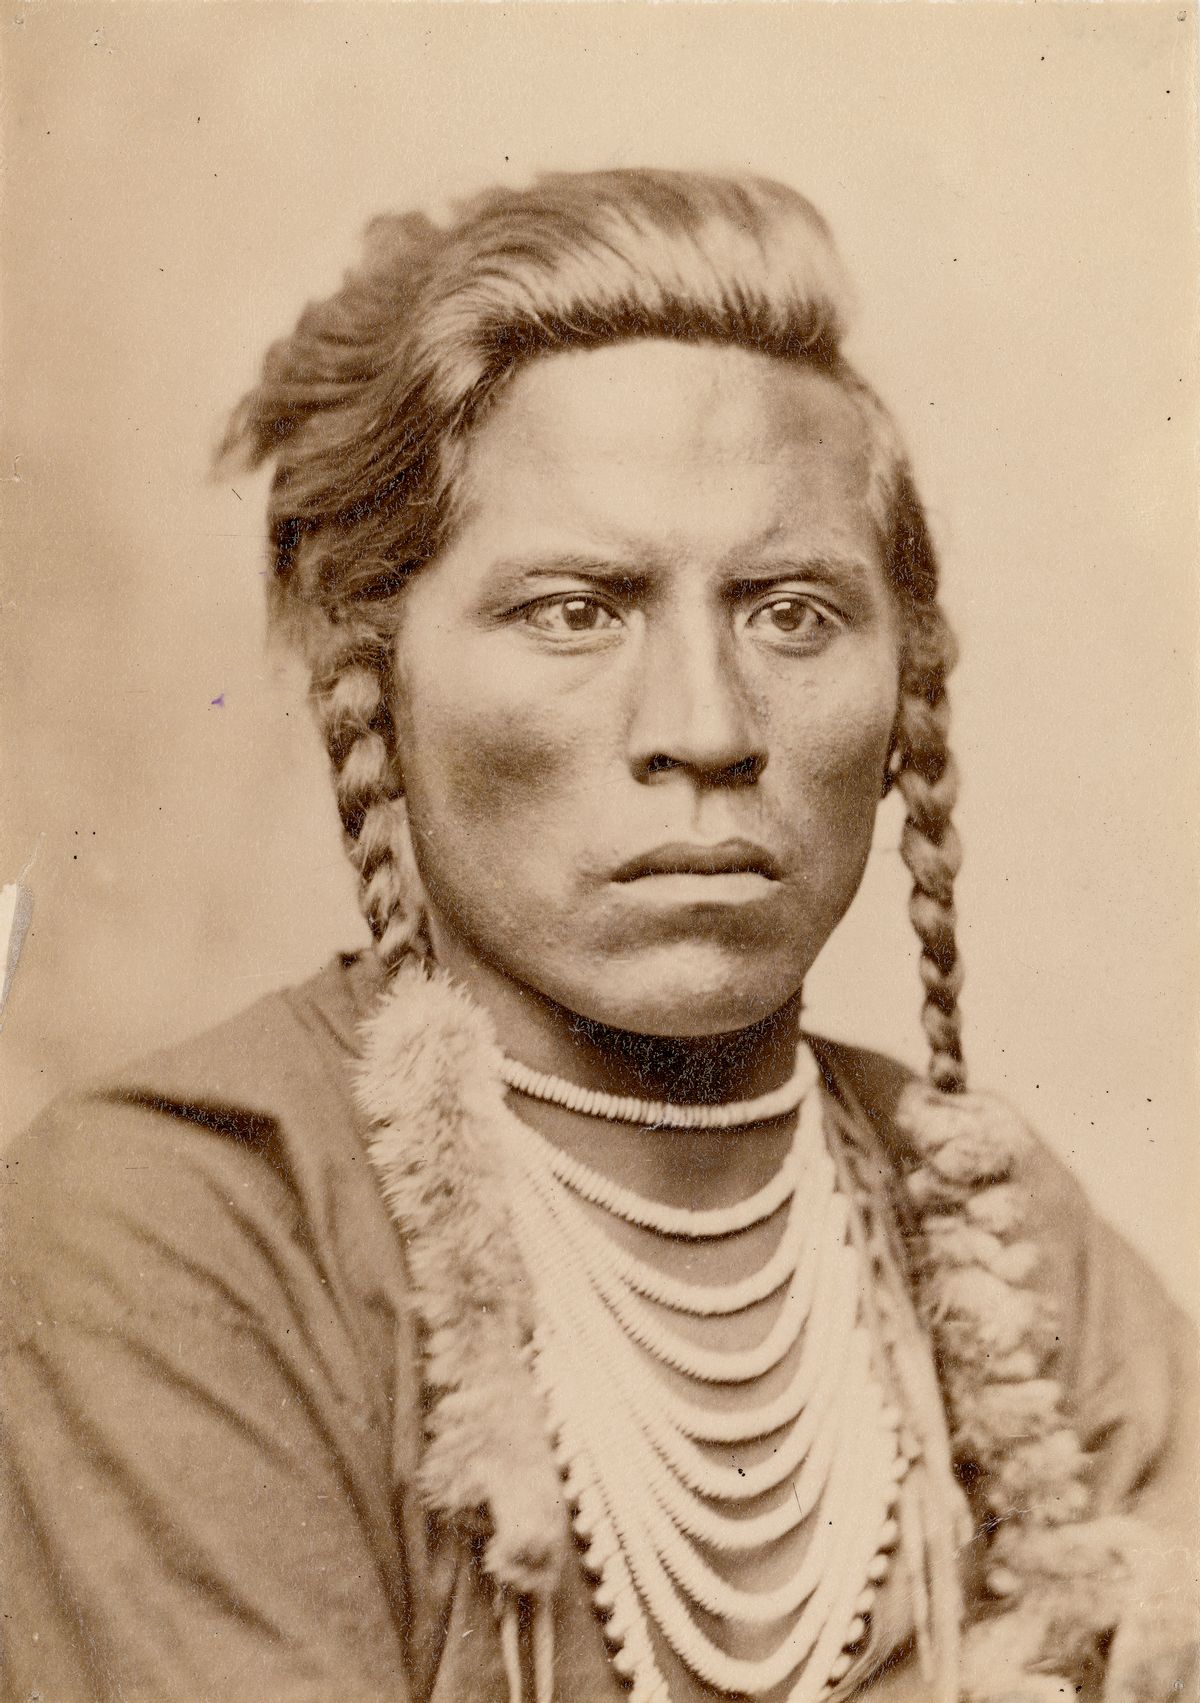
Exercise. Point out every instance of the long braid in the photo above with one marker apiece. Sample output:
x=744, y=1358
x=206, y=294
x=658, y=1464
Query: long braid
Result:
x=927, y=777
x=350, y=699
x=921, y=765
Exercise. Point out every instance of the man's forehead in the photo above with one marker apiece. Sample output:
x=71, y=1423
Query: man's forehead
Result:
x=629, y=397
x=628, y=435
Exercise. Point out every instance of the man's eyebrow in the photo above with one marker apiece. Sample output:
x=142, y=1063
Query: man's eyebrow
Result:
x=820, y=564
x=569, y=565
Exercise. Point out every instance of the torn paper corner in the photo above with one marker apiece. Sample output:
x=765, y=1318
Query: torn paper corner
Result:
x=16, y=913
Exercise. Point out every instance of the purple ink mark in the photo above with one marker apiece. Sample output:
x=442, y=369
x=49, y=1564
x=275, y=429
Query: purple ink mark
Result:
x=217, y=703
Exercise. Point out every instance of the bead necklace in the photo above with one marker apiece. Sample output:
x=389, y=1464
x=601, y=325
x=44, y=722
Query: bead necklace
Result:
x=662, y=1114
x=804, y=1166
x=681, y=1221
x=646, y=1494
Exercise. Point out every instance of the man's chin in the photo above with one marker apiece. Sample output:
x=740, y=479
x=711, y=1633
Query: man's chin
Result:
x=704, y=994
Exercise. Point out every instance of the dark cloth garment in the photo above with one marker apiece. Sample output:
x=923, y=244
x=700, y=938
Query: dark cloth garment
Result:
x=212, y=1397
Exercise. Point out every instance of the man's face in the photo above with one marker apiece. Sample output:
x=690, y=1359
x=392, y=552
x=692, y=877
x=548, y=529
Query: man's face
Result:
x=644, y=697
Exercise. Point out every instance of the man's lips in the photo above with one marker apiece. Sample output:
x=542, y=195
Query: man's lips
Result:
x=683, y=857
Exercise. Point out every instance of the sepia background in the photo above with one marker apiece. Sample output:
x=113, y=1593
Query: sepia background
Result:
x=1012, y=189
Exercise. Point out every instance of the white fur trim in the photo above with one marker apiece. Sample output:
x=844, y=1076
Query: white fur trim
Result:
x=426, y=1083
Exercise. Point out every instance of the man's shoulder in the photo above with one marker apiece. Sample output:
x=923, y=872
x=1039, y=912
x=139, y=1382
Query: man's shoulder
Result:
x=282, y=1044
x=892, y=1101
x=239, y=1141
x=276, y=1075
x=868, y=1085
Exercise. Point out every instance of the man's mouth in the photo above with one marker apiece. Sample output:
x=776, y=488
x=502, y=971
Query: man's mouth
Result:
x=685, y=857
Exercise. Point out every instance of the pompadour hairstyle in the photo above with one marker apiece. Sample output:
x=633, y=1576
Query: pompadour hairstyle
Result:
x=367, y=408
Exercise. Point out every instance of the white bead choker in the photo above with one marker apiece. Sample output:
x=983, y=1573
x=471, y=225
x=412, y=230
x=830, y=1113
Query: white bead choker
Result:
x=663, y=1114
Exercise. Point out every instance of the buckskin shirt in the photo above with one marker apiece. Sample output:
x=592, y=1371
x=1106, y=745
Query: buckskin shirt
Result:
x=213, y=1403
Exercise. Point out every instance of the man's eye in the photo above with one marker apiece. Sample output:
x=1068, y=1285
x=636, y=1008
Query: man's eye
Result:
x=573, y=612
x=791, y=617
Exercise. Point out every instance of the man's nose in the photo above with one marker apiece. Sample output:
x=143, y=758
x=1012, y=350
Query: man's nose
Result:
x=692, y=710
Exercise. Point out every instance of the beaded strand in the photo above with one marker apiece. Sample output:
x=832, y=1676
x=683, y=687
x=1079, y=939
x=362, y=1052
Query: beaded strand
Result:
x=663, y=1114
x=680, y=1221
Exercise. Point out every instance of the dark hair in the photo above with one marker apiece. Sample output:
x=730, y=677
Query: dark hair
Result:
x=367, y=407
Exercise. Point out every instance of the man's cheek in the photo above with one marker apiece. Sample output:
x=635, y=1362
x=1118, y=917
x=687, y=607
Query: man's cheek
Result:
x=505, y=762
x=837, y=766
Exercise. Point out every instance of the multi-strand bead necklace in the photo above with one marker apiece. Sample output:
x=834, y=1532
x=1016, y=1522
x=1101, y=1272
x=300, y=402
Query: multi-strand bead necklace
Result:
x=653, y=1473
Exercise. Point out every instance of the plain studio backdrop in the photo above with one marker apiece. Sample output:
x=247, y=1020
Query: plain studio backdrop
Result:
x=1012, y=188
